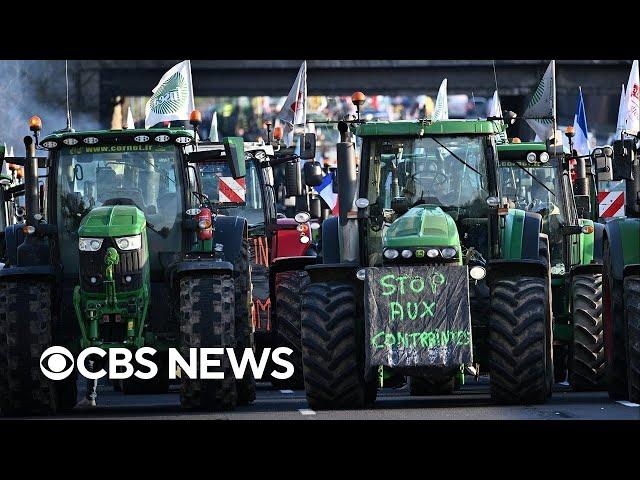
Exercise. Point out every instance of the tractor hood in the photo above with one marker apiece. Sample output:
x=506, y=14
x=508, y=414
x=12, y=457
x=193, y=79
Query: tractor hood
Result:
x=422, y=226
x=112, y=221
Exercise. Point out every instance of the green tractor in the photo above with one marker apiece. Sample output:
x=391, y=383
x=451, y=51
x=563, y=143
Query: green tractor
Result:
x=121, y=248
x=621, y=279
x=534, y=179
x=424, y=270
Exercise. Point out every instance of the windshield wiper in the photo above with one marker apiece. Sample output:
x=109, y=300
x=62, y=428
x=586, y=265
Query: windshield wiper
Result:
x=456, y=156
x=534, y=177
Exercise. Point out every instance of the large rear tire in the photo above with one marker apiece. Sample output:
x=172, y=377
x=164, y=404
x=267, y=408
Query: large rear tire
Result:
x=246, y=387
x=518, y=343
x=587, y=367
x=25, y=315
x=333, y=377
x=632, y=307
x=615, y=331
x=288, y=294
x=207, y=320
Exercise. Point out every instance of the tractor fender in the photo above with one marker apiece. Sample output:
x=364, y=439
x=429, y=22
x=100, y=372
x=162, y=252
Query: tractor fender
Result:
x=334, y=272
x=499, y=268
x=229, y=231
x=330, y=246
x=47, y=272
x=14, y=236
x=519, y=238
x=285, y=264
x=191, y=266
x=622, y=235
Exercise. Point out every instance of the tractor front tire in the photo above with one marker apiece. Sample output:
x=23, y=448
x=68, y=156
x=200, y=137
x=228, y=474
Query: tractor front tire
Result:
x=587, y=369
x=333, y=376
x=518, y=341
x=288, y=294
x=207, y=320
x=632, y=307
x=25, y=315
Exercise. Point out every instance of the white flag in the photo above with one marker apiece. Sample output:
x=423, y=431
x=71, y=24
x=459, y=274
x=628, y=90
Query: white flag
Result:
x=632, y=104
x=541, y=111
x=441, y=109
x=213, y=132
x=5, y=170
x=130, y=123
x=294, y=109
x=172, y=98
x=621, y=114
x=495, y=109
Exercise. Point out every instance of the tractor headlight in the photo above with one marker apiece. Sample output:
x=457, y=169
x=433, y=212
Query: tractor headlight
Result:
x=390, y=253
x=449, y=252
x=433, y=252
x=531, y=157
x=129, y=243
x=90, y=244
x=406, y=253
x=544, y=157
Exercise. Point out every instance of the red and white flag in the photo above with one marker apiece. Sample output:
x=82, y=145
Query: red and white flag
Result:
x=294, y=110
x=231, y=190
x=611, y=204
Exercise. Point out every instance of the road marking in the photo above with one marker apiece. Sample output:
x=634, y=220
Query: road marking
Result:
x=306, y=411
x=286, y=391
x=628, y=404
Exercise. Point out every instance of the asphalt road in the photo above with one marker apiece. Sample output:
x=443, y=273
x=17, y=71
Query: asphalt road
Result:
x=472, y=402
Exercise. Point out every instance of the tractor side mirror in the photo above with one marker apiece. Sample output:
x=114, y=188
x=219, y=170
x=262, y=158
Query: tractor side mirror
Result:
x=601, y=157
x=583, y=206
x=313, y=173
x=234, y=150
x=308, y=146
x=624, y=155
x=293, y=179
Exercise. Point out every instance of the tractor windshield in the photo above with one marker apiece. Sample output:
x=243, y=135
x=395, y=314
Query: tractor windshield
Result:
x=140, y=175
x=444, y=171
x=240, y=197
x=524, y=187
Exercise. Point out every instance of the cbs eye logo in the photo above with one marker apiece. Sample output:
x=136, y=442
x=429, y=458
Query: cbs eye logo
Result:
x=56, y=363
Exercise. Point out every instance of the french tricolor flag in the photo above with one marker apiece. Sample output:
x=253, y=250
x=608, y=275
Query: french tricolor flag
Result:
x=325, y=189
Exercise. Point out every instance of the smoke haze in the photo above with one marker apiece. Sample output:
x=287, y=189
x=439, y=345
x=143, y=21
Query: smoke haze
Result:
x=37, y=87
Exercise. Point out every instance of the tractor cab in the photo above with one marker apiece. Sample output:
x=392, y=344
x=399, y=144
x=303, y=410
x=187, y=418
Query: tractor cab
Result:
x=427, y=193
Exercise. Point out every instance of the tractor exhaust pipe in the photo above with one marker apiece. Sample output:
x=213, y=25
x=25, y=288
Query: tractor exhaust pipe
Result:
x=31, y=182
x=348, y=188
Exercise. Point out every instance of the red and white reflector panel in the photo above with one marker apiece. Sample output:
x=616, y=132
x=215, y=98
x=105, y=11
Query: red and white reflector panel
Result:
x=231, y=190
x=610, y=204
